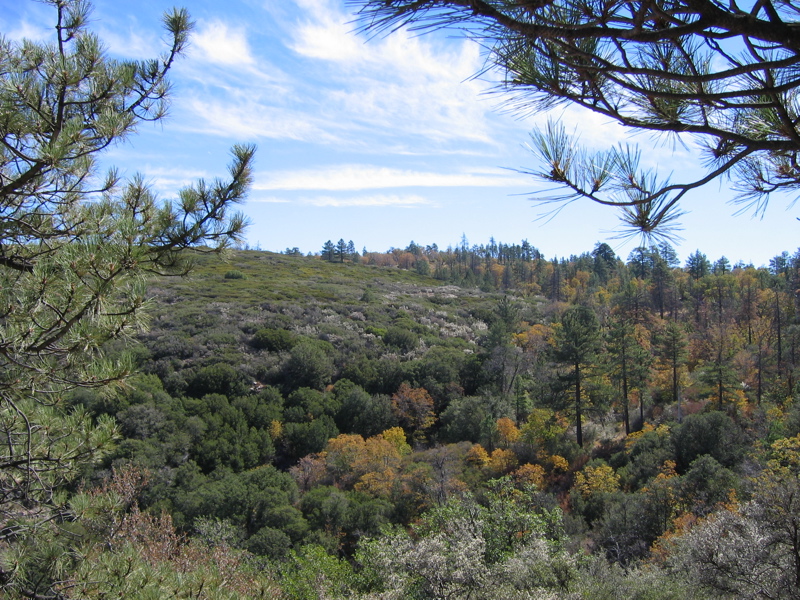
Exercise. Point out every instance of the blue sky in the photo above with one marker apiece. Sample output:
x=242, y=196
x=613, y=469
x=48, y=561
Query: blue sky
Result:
x=379, y=141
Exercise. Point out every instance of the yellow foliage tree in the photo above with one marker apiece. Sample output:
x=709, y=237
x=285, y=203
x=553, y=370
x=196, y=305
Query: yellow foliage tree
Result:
x=341, y=453
x=785, y=456
x=397, y=438
x=507, y=431
x=378, y=484
x=596, y=480
x=477, y=456
x=370, y=465
x=502, y=461
x=531, y=475
x=377, y=455
x=413, y=407
x=540, y=429
x=559, y=463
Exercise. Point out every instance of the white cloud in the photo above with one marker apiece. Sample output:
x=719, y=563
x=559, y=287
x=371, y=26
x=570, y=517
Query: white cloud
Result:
x=326, y=37
x=327, y=86
x=401, y=84
x=221, y=44
x=132, y=44
x=364, y=177
x=270, y=200
x=366, y=201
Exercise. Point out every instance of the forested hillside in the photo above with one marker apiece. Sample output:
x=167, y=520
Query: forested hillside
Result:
x=476, y=422
x=466, y=423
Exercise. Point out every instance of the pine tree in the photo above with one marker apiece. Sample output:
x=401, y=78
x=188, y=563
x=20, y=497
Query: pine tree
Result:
x=577, y=341
x=629, y=362
x=328, y=251
x=340, y=251
x=76, y=250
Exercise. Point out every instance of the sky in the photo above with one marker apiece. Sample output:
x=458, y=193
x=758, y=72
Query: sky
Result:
x=382, y=140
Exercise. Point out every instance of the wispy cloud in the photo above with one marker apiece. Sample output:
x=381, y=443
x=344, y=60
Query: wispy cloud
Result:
x=326, y=85
x=377, y=201
x=325, y=35
x=249, y=120
x=30, y=31
x=399, y=83
x=132, y=42
x=166, y=179
x=366, y=201
x=270, y=200
x=364, y=177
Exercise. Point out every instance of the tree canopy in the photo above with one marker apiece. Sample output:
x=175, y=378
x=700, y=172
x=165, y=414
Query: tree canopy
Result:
x=717, y=74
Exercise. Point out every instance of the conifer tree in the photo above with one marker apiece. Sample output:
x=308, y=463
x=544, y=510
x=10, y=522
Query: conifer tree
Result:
x=76, y=249
x=340, y=251
x=328, y=251
x=628, y=360
x=577, y=341
x=672, y=349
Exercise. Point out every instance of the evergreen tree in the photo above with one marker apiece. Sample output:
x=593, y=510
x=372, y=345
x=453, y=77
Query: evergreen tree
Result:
x=328, y=251
x=721, y=266
x=672, y=349
x=577, y=341
x=605, y=262
x=697, y=265
x=662, y=286
x=340, y=252
x=629, y=362
x=75, y=253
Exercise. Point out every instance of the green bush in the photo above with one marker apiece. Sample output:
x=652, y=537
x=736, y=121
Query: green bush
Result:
x=234, y=274
x=220, y=378
x=401, y=338
x=274, y=340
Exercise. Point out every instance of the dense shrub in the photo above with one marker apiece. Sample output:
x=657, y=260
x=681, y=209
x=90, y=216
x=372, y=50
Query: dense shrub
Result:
x=274, y=340
x=220, y=378
x=713, y=433
x=401, y=338
x=309, y=365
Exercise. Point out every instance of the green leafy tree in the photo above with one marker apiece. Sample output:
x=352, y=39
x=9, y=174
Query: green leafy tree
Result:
x=662, y=67
x=577, y=341
x=75, y=253
x=713, y=433
x=309, y=365
x=274, y=340
x=605, y=262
